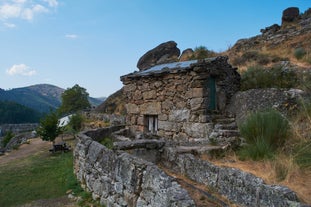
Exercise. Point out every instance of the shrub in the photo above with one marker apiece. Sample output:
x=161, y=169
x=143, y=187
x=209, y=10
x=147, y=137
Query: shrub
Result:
x=8, y=136
x=299, y=53
x=107, y=142
x=302, y=154
x=202, y=52
x=264, y=132
x=276, y=77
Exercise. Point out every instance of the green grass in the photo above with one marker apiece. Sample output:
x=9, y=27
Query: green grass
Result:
x=41, y=176
x=264, y=133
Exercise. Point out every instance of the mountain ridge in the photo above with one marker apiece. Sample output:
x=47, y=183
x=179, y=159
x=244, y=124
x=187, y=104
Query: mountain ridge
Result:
x=40, y=97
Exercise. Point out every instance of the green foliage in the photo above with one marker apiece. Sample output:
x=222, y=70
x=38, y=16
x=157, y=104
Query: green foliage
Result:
x=14, y=113
x=107, y=142
x=74, y=99
x=264, y=132
x=299, y=53
x=202, y=52
x=48, y=129
x=276, y=77
x=302, y=154
x=76, y=122
x=37, y=177
x=257, y=57
x=7, y=137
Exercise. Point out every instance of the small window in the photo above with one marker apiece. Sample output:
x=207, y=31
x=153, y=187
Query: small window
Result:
x=151, y=123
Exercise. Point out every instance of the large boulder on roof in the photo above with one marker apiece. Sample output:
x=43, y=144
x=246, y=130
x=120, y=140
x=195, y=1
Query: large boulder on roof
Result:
x=164, y=53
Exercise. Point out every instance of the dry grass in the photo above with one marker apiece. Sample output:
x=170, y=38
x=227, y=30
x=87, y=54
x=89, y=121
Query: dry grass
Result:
x=296, y=179
x=283, y=169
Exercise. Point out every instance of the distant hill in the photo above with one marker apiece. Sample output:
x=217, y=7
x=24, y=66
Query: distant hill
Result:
x=14, y=113
x=41, y=97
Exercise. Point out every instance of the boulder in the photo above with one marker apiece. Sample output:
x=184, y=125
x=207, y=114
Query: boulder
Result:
x=186, y=54
x=164, y=53
x=290, y=14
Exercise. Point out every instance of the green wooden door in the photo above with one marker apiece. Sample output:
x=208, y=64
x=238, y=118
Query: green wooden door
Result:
x=212, y=93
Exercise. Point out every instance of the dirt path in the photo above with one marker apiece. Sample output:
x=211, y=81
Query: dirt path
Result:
x=35, y=145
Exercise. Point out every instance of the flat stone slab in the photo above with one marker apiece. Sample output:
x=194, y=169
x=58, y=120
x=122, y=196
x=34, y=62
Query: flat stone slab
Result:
x=199, y=149
x=140, y=143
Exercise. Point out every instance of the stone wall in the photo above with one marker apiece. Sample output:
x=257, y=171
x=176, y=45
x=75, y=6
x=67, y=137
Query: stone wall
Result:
x=180, y=98
x=240, y=187
x=17, y=128
x=284, y=100
x=117, y=178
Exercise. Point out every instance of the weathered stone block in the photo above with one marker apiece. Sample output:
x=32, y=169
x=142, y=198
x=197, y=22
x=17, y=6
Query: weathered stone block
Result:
x=196, y=103
x=132, y=108
x=197, y=130
x=181, y=115
x=197, y=92
x=151, y=108
x=149, y=95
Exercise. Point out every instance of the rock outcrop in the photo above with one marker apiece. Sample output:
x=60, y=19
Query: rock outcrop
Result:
x=275, y=35
x=186, y=54
x=245, y=102
x=164, y=53
x=290, y=14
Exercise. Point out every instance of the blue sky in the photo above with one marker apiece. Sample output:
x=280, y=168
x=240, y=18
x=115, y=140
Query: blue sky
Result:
x=92, y=43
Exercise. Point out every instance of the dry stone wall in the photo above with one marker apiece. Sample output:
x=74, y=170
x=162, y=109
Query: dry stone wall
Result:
x=240, y=187
x=118, y=179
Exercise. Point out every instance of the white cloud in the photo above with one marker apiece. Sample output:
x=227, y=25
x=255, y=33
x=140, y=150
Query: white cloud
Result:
x=29, y=13
x=21, y=69
x=71, y=36
x=25, y=9
x=52, y=3
x=8, y=11
x=9, y=25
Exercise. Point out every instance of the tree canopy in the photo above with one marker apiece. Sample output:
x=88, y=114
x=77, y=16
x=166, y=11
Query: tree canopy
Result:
x=49, y=128
x=74, y=99
x=14, y=113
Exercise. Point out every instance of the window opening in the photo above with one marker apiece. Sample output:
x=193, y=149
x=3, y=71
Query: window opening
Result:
x=151, y=123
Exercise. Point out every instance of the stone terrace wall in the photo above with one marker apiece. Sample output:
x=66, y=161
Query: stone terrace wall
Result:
x=180, y=98
x=240, y=187
x=17, y=128
x=120, y=179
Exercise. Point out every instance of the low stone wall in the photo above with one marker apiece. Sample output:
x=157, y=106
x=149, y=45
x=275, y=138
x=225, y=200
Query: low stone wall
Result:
x=240, y=187
x=17, y=128
x=120, y=179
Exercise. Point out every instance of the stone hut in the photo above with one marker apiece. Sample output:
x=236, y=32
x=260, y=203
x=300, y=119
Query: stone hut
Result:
x=179, y=100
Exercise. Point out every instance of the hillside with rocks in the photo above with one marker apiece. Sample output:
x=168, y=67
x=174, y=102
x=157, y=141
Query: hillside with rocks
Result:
x=290, y=41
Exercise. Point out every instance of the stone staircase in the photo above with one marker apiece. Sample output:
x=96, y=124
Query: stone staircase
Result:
x=225, y=135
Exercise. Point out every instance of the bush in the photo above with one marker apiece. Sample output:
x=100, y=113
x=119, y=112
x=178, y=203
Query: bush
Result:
x=264, y=132
x=8, y=136
x=299, y=53
x=302, y=154
x=276, y=77
x=107, y=142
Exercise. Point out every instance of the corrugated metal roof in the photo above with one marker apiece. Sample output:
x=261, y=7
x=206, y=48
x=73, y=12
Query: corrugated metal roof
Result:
x=159, y=68
x=167, y=67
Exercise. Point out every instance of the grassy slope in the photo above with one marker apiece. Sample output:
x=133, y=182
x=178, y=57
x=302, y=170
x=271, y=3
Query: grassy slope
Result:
x=41, y=176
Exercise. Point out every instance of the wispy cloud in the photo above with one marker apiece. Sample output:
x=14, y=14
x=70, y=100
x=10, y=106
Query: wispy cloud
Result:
x=21, y=69
x=71, y=36
x=9, y=25
x=24, y=9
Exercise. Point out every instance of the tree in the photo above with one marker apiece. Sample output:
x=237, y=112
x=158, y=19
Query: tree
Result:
x=76, y=122
x=74, y=99
x=49, y=128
